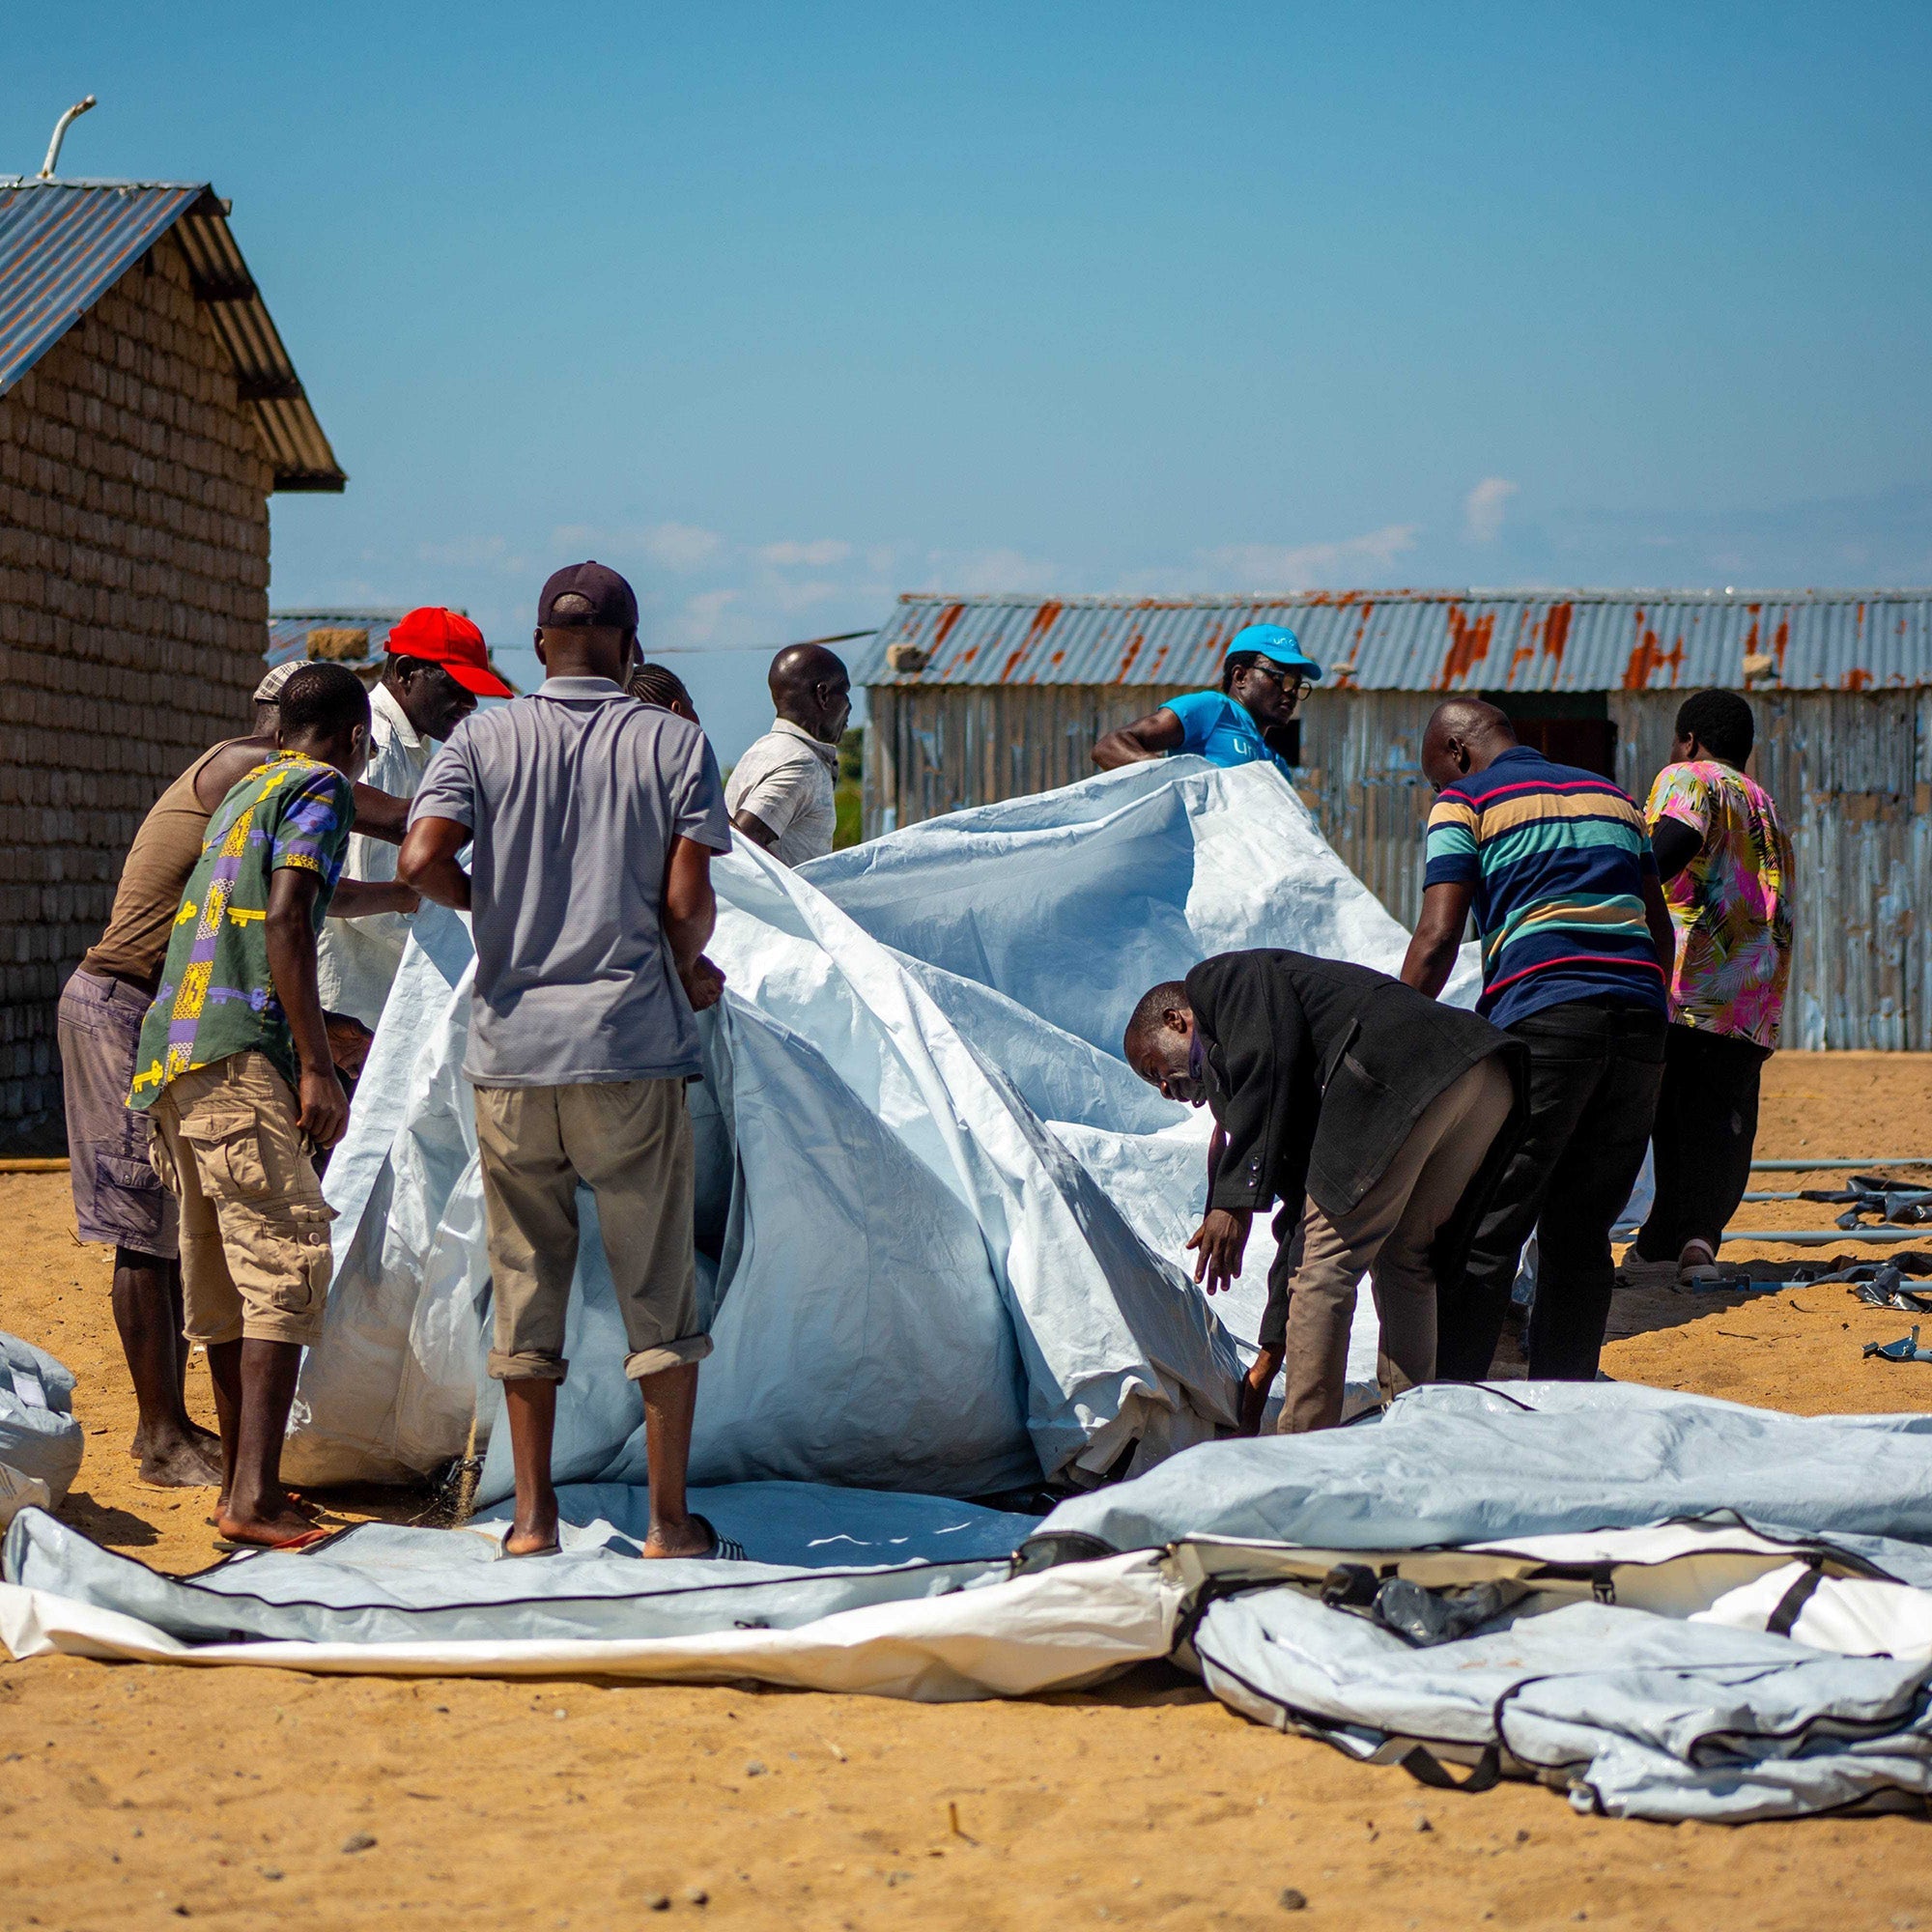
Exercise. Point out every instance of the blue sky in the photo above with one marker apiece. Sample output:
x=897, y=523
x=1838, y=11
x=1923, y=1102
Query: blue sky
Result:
x=784, y=310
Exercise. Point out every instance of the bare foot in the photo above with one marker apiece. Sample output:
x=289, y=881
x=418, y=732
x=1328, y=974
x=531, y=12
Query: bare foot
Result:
x=282, y=1523
x=527, y=1543
x=301, y=1506
x=191, y=1460
x=535, y=1538
x=689, y=1536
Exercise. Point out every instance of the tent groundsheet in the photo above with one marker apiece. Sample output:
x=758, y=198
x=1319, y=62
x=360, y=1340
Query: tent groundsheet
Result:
x=1669, y=1606
x=941, y=1225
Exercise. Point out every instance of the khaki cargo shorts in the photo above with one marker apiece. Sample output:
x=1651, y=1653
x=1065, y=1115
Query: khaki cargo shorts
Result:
x=630, y=1142
x=254, y=1226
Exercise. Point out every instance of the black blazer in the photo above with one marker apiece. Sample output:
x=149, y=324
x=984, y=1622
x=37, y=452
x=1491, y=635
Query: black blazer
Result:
x=1317, y=1070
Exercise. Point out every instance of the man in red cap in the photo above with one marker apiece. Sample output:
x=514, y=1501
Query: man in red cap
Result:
x=438, y=666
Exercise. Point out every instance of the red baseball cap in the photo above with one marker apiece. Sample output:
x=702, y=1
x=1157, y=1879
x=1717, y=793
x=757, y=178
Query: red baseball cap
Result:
x=447, y=638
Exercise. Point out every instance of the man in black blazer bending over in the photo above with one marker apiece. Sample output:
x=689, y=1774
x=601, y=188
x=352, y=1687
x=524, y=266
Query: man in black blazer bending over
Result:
x=1380, y=1119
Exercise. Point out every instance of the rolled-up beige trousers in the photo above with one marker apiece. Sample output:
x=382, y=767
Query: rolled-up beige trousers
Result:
x=629, y=1142
x=1387, y=1236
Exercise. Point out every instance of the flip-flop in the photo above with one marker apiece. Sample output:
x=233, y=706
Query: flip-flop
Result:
x=288, y=1544
x=723, y=1550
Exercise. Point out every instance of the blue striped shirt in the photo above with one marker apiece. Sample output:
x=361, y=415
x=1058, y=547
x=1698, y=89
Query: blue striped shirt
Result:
x=1556, y=858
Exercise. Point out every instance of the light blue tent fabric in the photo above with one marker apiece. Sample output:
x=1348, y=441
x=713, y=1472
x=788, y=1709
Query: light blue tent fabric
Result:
x=1457, y=1464
x=1641, y=1716
x=944, y=1224
x=1675, y=1697
x=814, y=1551
x=39, y=1435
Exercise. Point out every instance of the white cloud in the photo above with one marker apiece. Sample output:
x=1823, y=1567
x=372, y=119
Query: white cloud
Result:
x=669, y=545
x=697, y=621
x=680, y=546
x=1341, y=561
x=492, y=553
x=816, y=554
x=794, y=597
x=1484, y=508
x=970, y=571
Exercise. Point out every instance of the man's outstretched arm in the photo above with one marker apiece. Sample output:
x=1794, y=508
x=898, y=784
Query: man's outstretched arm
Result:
x=289, y=931
x=690, y=916
x=1662, y=929
x=1145, y=739
x=427, y=862
x=1439, y=933
x=1675, y=845
x=381, y=814
x=755, y=829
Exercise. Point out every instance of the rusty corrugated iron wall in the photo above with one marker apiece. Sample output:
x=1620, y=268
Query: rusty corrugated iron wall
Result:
x=1516, y=641
x=1852, y=773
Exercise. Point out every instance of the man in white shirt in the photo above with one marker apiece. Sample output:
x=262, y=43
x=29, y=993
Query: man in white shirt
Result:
x=779, y=792
x=438, y=666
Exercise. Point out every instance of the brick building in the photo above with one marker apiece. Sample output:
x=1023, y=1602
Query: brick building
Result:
x=147, y=410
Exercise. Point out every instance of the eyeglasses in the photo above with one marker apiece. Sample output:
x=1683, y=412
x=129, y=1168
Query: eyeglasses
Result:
x=1292, y=683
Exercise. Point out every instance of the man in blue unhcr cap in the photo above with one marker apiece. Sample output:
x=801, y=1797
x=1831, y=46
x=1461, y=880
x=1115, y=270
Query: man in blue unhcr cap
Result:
x=1263, y=679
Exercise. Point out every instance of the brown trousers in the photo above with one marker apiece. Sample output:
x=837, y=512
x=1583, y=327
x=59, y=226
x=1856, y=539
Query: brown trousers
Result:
x=1387, y=1236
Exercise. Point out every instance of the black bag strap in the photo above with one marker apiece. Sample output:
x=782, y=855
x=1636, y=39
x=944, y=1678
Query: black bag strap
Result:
x=1426, y=1767
x=1791, y=1605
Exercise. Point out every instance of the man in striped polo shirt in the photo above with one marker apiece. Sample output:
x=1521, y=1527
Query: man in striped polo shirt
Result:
x=1556, y=865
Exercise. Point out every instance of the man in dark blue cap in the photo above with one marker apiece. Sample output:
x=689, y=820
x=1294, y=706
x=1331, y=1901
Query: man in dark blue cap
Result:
x=591, y=822
x=1263, y=679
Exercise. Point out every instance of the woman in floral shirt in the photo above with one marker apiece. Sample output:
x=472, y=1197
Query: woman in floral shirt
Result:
x=1725, y=862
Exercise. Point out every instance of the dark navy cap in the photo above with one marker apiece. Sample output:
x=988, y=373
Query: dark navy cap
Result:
x=613, y=604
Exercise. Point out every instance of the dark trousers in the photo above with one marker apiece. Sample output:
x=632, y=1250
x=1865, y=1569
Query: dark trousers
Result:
x=1706, y=1128
x=1595, y=1070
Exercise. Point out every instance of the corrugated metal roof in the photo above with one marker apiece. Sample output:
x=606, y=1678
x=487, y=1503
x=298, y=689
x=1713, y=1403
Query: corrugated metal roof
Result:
x=64, y=244
x=1430, y=640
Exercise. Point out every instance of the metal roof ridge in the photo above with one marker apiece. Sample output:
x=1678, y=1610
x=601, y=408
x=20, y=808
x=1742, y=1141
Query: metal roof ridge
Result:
x=65, y=243
x=1479, y=594
x=93, y=180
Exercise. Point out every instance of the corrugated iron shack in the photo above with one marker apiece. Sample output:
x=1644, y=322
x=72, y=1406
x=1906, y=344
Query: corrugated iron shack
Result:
x=977, y=698
x=148, y=409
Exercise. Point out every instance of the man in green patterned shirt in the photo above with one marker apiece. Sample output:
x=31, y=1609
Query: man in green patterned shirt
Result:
x=235, y=1074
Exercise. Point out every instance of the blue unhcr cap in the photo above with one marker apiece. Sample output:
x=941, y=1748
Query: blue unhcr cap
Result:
x=1276, y=644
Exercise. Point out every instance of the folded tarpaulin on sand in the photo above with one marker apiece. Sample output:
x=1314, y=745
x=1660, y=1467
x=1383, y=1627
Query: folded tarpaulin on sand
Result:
x=882, y=1593
x=40, y=1443
x=1700, y=1610
x=1459, y=1463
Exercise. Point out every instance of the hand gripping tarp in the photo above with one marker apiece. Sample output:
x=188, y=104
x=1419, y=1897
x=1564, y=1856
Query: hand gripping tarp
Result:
x=941, y=1224
x=1691, y=1609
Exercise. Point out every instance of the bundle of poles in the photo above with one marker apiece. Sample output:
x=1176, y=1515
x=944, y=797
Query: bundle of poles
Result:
x=1906, y=1203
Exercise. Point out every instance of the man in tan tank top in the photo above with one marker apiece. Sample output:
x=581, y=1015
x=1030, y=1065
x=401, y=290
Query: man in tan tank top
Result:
x=118, y=1197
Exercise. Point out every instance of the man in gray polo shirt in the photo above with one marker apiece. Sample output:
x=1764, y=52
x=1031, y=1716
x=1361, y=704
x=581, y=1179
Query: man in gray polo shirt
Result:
x=591, y=820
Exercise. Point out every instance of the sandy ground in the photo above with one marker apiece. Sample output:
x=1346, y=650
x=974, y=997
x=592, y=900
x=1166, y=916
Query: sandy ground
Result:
x=134, y=1796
